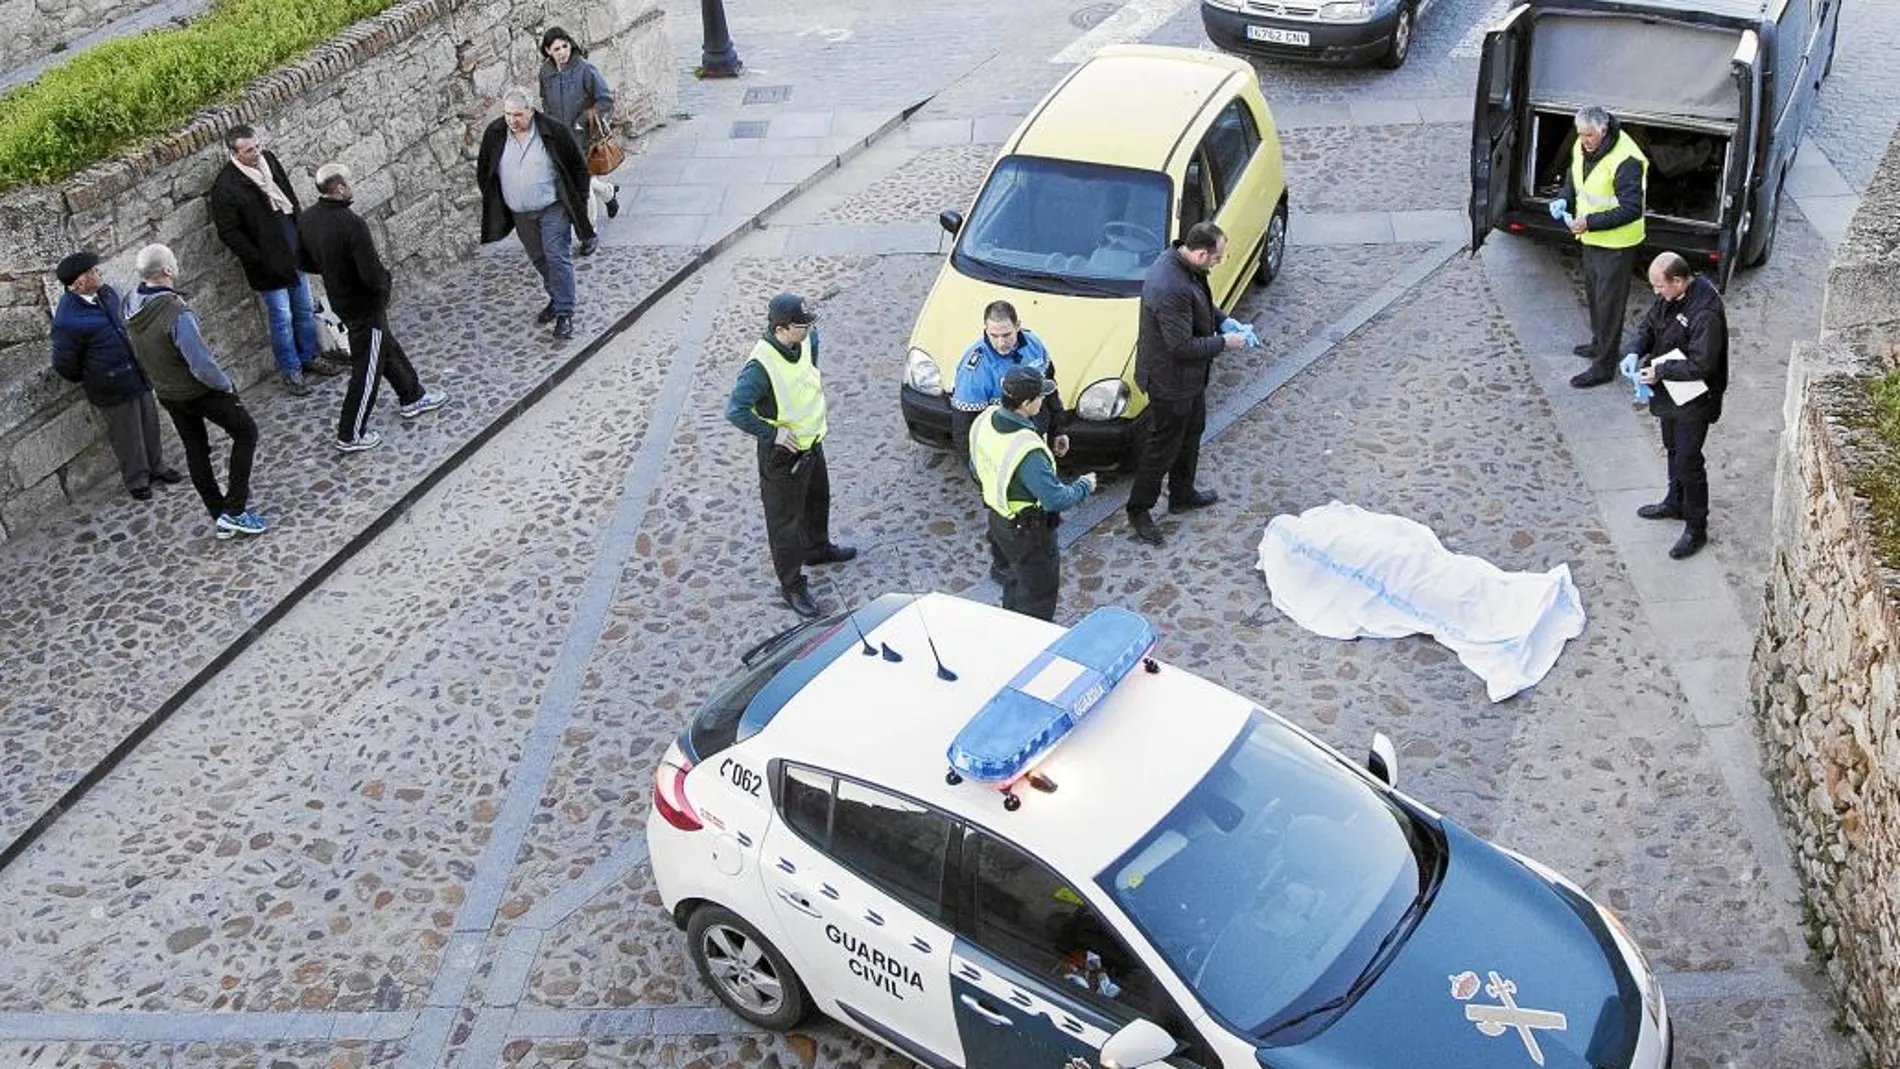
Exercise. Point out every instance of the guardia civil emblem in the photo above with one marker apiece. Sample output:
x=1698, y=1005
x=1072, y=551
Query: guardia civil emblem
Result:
x=1505, y=1015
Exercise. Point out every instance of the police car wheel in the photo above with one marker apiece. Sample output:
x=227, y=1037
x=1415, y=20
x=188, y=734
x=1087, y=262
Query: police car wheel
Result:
x=747, y=973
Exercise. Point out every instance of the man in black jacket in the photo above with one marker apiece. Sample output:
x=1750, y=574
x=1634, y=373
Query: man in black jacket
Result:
x=1682, y=345
x=1178, y=338
x=337, y=244
x=534, y=181
x=255, y=212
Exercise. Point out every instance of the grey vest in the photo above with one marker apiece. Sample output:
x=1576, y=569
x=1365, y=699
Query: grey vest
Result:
x=158, y=355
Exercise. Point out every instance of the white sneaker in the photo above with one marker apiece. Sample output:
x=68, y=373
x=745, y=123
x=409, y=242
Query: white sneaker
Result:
x=368, y=440
x=428, y=402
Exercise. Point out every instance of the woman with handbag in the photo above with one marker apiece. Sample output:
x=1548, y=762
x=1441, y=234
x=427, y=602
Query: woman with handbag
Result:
x=574, y=94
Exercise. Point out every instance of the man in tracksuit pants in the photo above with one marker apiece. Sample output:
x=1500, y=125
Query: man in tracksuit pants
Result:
x=337, y=244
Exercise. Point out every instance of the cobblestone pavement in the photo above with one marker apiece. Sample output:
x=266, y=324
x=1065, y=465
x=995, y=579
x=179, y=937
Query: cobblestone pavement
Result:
x=402, y=827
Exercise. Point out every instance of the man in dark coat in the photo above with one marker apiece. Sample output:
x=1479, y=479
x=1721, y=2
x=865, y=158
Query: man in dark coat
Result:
x=91, y=347
x=1178, y=338
x=255, y=212
x=534, y=181
x=1682, y=349
x=337, y=244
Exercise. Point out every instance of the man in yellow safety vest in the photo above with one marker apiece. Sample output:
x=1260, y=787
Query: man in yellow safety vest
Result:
x=1022, y=493
x=779, y=399
x=1602, y=203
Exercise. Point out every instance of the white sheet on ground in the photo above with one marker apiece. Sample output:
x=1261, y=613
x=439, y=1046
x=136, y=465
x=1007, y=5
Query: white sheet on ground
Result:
x=1340, y=571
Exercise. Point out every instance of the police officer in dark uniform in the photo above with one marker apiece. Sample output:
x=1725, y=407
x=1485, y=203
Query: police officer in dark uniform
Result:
x=1017, y=471
x=779, y=399
x=1687, y=318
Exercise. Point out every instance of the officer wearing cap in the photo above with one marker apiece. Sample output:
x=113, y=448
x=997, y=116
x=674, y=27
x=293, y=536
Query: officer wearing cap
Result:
x=1017, y=471
x=779, y=399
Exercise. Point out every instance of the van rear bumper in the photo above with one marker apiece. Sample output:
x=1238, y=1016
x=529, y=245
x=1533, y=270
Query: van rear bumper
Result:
x=1700, y=246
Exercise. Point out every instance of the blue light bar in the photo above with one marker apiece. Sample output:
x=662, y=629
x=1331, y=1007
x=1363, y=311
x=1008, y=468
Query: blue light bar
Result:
x=1033, y=711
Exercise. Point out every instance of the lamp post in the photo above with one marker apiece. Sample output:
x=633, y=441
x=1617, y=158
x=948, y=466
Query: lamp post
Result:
x=717, y=58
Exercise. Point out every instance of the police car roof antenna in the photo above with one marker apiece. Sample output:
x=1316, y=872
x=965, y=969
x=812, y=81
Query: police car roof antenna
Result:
x=943, y=673
x=869, y=650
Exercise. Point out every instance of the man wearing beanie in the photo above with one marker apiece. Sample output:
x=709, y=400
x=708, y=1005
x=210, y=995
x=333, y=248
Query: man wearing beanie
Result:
x=90, y=347
x=1022, y=493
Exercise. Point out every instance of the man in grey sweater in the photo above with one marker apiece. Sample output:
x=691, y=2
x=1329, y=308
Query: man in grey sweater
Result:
x=194, y=391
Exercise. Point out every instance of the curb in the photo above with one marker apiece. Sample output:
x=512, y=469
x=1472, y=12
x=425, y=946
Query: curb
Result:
x=429, y=480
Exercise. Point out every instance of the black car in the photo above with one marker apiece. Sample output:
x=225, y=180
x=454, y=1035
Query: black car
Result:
x=1324, y=31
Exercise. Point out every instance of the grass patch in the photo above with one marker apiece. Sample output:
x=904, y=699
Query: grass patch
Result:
x=112, y=97
x=1875, y=471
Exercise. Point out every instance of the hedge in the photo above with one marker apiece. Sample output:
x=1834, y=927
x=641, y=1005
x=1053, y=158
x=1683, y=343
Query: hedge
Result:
x=112, y=97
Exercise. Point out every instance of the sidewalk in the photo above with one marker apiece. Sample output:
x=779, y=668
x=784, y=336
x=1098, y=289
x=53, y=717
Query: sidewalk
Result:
x=118, y=615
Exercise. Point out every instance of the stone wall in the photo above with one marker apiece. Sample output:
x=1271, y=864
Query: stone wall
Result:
x=402, y=98
x=1825, y=678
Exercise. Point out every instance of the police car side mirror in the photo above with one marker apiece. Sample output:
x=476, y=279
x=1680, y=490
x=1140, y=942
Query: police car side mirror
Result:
x=1139, y=1043
x=1383, y=759
x=951, y=222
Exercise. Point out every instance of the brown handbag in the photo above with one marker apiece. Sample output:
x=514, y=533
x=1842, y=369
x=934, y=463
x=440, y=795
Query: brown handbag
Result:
x=604, y=154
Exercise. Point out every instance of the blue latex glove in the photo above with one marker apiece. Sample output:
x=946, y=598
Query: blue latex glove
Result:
x=1558, y=209
x=1630, y=371
x=1245, y=330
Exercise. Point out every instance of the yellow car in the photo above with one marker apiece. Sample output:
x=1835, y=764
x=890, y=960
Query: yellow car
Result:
x=1138, y=144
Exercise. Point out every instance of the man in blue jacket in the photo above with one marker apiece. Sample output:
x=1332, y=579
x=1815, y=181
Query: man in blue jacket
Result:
x=90, y=347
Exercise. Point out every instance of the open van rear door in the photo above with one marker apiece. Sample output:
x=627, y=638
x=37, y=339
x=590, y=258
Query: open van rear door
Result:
x=1737, y=193
x=1494, y=122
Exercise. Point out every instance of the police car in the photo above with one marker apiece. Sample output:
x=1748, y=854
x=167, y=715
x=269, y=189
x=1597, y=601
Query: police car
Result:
x=988, y=841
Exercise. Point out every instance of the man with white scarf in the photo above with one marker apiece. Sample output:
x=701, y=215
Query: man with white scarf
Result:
x=255, y=212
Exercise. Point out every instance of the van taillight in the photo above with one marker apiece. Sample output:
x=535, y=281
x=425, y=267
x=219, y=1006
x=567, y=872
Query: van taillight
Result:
x=669, y=790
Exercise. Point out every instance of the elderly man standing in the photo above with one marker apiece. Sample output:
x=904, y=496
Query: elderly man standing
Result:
x=1602, y=201
x=255, y=212
x=194, y=390
x=534, y=181
x=91, y=347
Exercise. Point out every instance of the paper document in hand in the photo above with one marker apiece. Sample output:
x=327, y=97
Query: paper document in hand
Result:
x=1681, y=391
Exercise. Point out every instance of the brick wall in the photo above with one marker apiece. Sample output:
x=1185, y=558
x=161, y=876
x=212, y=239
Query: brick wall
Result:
x=1825, y=678
x=402, y=98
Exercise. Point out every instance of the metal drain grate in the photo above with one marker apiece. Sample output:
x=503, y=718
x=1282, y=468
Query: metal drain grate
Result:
x=768, y=94
x=749, y=129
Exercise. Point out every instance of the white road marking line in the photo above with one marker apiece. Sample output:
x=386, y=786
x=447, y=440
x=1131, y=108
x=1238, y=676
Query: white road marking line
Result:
x=1133, y=21
x=1472, y=42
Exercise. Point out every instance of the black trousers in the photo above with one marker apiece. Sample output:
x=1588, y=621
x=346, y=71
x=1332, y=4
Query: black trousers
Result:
x=1170, y=448
x=1023, y=558
x=1606, y=290
x=797, y=498
x=374, y=356
x=1682, y=438
x=225, y=411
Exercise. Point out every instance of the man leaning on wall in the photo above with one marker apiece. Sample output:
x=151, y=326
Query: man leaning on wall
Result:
x=255, y=212
x=91, y=347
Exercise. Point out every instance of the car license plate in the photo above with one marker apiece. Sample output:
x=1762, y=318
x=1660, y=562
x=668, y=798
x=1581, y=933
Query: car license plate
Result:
x=1276, y=36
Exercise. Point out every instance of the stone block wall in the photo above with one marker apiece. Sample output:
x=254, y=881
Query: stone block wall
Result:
x=402, y=98
x=1825, y=678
